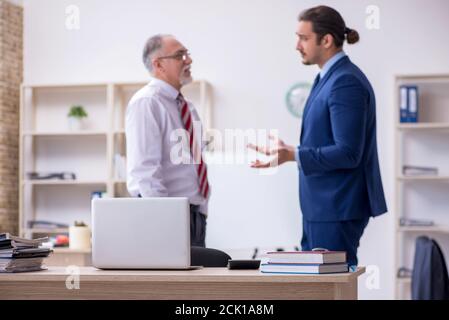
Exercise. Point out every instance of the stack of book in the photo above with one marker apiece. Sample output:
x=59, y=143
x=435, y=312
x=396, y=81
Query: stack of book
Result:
x=20, y=254
x=305, y=262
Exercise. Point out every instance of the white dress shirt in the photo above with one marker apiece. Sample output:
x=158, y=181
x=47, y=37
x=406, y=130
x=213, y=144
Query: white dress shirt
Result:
x=152, y=116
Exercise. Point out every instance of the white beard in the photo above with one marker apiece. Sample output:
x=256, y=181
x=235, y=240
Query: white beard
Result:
x=185, y=80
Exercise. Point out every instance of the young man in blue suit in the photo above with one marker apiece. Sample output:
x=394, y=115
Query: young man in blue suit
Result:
x=340, y=183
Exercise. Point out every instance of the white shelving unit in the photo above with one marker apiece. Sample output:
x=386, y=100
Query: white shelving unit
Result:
x=425, y=143
x=48, y=145
x=423, y=126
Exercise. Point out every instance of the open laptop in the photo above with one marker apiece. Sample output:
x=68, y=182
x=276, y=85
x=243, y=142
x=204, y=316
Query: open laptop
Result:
x=141, y=233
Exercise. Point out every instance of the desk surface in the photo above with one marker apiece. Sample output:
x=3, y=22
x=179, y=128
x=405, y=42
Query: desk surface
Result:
x=207, y=283
x=200, y=275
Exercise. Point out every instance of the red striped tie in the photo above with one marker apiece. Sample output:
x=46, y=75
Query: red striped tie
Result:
x=195, y=150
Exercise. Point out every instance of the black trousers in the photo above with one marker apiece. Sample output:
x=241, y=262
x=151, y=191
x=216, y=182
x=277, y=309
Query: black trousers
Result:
x=334, y=236
x=197, y=227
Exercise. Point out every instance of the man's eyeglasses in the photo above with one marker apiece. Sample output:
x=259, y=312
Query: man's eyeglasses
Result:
x=178, y=56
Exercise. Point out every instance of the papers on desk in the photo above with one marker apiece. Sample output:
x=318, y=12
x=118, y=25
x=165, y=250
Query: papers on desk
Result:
x=20, y=254
x=24, y=252
x=21, y=265
x=7, y=240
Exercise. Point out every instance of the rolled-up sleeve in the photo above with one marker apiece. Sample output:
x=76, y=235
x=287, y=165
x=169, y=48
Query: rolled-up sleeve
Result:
x=144, y=149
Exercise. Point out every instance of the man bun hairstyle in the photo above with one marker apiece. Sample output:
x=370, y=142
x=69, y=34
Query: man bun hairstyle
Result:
x=352, y=36
x=326, y=20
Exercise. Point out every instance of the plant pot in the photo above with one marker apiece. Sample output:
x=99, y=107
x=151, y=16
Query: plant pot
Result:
x=76, y=124
x=79, y=238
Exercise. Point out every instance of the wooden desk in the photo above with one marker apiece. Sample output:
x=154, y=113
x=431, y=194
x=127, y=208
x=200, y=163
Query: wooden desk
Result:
x=207, y=284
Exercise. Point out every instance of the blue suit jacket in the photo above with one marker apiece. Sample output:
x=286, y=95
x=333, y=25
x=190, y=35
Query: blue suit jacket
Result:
x=340, y=176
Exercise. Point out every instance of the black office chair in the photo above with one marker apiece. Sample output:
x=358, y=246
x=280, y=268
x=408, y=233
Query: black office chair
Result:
x=208, y=257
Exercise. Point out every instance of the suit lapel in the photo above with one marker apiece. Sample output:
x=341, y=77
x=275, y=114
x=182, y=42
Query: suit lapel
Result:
x=307, y=106
x=316, y=90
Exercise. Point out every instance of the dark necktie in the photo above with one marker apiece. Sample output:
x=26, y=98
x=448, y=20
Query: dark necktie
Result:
x=315, y=83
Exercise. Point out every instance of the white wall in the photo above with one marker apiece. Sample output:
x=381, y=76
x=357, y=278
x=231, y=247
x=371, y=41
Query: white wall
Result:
x=246, y=49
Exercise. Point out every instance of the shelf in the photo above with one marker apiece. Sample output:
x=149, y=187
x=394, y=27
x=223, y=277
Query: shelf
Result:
x=64, y=133
x=423, y=178
x=99, y=84
x=423, y=126
x=59, y=250
x=65, y=85
x=420, y=143
x=424, y=78
x=431, y=229
x=121, y=131
x=62, y=182
x=49, y=231
x=404, y=281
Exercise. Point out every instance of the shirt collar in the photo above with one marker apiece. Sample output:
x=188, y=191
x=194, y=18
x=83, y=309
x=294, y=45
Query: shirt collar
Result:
x=167, y=89
x=331, y=62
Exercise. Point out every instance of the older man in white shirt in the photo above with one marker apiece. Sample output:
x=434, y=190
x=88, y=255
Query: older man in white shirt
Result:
x=154, y=117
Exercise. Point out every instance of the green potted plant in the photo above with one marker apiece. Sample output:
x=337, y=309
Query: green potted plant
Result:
x=76, y=117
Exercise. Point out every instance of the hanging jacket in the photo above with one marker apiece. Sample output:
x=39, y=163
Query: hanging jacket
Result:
x=429, y=278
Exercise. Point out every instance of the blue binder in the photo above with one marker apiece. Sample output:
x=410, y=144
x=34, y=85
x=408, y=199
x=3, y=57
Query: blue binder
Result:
x=413, y=104
x=403, y=104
